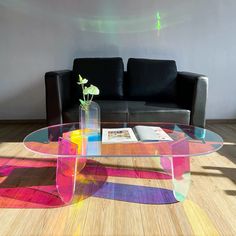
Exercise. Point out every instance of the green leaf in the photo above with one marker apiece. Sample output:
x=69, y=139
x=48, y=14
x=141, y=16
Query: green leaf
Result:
x=82, y=102
x=81, y=80
x=86, y=90
x=93, y=90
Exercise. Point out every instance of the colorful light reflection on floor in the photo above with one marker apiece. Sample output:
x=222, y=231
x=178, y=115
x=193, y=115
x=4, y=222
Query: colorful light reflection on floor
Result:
x=23, y=184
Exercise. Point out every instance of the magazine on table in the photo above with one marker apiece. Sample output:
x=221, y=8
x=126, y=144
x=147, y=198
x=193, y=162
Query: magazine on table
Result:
x=138, y=133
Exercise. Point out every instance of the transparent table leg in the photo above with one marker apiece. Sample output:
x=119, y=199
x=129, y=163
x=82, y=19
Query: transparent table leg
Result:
x=177, y=165
x=66, y=170
x=166, y=163
x=66, y=178
x=181, y=177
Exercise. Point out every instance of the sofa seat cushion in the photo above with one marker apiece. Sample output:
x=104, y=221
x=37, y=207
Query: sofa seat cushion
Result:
x=153, y=80
x=157, y=112
x=111, y=111
x=133, y=111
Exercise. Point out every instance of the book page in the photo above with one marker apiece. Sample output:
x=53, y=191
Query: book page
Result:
x=118, y=135
x=151, y=133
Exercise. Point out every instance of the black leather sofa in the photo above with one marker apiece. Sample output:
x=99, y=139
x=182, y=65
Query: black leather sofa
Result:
x=150, y=90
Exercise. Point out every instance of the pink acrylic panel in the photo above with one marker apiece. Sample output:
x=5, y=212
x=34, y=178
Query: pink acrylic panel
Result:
x=66, y=169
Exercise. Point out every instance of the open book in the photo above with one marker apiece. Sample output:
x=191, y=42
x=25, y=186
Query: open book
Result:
x=138, y=133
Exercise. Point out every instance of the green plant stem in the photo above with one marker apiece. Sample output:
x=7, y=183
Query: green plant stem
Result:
x=83, y=91
x=91, y=99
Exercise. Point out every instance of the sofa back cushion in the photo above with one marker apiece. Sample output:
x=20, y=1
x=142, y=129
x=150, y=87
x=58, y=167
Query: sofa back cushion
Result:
x=151, y=80
x=105, y=73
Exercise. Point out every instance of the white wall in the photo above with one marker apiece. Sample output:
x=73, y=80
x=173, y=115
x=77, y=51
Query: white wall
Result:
x=41, y=35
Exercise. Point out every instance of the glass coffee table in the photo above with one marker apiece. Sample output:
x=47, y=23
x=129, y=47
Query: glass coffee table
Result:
x=72, y=149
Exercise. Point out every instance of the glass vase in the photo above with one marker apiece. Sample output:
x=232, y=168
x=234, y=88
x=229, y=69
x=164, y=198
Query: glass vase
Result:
x=90, y=126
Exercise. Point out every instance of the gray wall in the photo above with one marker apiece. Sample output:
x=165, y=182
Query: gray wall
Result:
x=38, y=36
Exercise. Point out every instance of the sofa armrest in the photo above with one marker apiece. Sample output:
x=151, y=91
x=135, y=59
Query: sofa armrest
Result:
x=192, y=95
x=58, y=86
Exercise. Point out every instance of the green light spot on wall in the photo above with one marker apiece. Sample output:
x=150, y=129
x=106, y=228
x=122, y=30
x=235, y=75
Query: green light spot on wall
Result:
x=158, y=21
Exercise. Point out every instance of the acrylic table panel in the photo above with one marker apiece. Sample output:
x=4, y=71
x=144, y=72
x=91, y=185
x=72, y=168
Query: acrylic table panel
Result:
x=72, y=155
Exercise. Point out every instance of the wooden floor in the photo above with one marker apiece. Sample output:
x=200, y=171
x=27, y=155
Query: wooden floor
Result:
x=210, y=208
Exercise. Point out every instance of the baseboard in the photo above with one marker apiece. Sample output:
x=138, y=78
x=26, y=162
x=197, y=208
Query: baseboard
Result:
x=221, y=121
x=31, y=121
x=43, y=121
